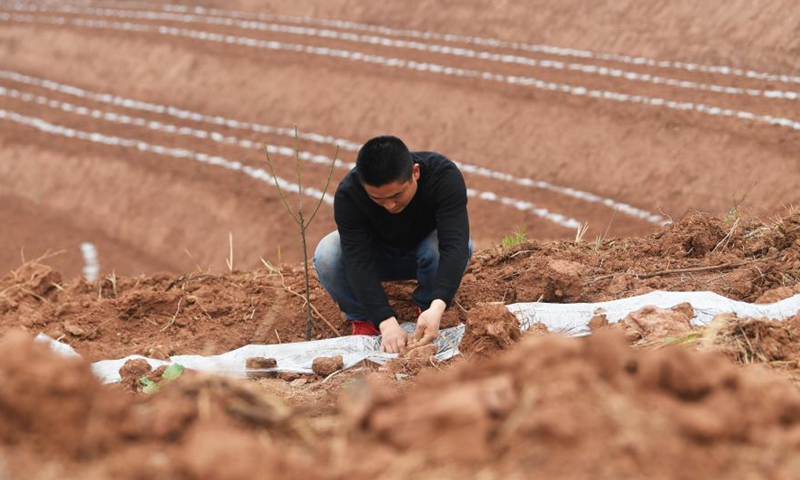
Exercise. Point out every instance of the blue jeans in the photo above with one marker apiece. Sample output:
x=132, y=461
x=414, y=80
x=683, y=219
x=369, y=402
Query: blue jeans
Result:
x=420, y=263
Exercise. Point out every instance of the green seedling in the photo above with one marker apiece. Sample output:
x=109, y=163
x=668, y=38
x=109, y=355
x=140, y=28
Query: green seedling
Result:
x=171, y=373
x=598, y=243
x=514, y=238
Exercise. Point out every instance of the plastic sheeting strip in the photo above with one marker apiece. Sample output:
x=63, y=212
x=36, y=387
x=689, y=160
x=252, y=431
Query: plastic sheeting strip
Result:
x=568, y=318
x=573, y=318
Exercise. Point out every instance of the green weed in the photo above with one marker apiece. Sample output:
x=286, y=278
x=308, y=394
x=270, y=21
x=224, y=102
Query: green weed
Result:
x=517, y=237
x=170, y=374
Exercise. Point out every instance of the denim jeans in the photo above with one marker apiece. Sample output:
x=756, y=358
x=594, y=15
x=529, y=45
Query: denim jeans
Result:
x=420, y=263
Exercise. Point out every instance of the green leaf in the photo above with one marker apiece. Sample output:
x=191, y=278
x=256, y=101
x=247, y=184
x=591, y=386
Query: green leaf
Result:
x=146, y=382
x=152, y=388
x=173, y=371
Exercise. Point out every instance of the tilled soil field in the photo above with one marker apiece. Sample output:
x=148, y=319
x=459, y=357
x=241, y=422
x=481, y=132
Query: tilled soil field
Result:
x=139, y=217
x=140, y=127
x=648, y=397
x=164, y=315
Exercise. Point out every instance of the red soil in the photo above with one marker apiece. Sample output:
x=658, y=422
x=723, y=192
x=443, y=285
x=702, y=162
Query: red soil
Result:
x=165, y=315
x=537, y=404
x=174, y=215
x=680, y=405
x=490, y=327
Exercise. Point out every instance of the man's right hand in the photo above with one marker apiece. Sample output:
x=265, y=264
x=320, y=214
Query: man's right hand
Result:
x=393, y=338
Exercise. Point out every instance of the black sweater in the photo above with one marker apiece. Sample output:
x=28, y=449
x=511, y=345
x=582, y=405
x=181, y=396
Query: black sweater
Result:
x=364, y=226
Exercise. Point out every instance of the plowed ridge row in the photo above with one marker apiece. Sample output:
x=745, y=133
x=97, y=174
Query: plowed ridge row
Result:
x=392, y=62
x=608, y=202
x=236, y=124
x=216, y=160
x=257, y=173
x=473, y=40
x=411, y=45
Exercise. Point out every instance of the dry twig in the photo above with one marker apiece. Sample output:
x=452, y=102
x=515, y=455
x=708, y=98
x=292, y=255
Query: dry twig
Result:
x=727, y=238
x=172, y=320
x=679, y=270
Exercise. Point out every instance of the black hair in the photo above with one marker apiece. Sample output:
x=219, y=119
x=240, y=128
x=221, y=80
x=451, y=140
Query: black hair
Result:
x=383, y=160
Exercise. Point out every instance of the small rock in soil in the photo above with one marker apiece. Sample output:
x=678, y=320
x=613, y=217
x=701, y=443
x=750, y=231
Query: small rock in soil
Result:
x=182, y=321
x=324, y=366
x=73, y=329
x=261, y=363
x=298, y=382
x=289, y=376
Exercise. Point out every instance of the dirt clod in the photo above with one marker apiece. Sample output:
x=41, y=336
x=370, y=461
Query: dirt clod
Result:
x=412, y=361
x=655, y=324
x=261, y=363
x=324, y=366
x=490, y=328
x=132, y=371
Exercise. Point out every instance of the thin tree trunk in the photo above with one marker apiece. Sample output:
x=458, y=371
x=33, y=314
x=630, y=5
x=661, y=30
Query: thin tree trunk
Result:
x=309, y=312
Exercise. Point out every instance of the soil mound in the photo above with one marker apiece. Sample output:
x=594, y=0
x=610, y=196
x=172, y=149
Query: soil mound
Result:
x=777, y=294
x=25, y=290
x=757, y=340
x=54, y=407
x=199, y=313
x=735, y=257
x=44, y=399
x=696, y=235
x=551, y=397
x=160, y=315
x=662, y=413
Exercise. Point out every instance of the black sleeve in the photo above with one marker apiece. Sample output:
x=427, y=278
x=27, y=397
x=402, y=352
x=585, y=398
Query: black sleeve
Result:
x=453, y=231
x=359, y=260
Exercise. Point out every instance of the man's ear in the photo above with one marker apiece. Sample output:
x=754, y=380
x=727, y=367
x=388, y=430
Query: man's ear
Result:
x=415, y=172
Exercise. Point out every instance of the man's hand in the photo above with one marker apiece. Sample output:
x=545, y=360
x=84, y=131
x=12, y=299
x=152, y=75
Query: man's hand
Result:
x=428, y=324
x=393, y=338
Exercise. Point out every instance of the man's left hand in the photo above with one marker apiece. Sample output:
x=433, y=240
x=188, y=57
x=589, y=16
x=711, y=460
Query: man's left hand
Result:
x=428, y=325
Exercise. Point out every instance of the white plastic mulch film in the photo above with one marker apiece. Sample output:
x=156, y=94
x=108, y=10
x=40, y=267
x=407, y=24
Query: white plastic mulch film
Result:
x=570, y=319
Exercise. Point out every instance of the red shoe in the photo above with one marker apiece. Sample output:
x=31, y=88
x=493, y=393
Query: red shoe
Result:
x=364, y=328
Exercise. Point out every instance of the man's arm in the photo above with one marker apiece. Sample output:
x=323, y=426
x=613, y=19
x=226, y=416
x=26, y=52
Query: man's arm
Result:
x=453, y=232
x=452, y=224
x=359, y=260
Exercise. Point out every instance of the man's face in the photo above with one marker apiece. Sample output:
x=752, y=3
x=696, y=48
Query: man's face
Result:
x=395, y=196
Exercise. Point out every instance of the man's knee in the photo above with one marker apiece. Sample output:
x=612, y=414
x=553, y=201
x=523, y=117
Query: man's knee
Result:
x=328, y=256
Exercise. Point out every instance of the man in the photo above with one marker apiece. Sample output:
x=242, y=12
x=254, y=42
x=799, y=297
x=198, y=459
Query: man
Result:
x=400, y=215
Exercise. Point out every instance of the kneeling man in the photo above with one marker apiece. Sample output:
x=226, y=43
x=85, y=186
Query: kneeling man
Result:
x=400, y=215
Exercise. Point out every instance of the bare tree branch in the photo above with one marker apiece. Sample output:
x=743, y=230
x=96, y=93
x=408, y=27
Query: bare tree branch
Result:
x=280, y=190
x=327, y=182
